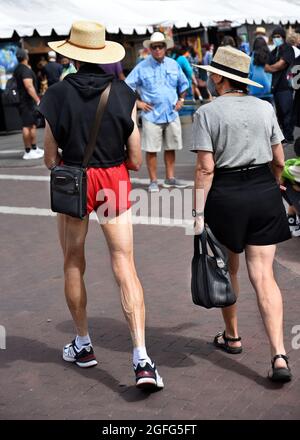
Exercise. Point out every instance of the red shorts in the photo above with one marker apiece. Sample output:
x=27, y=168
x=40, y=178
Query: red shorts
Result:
x=108, y=188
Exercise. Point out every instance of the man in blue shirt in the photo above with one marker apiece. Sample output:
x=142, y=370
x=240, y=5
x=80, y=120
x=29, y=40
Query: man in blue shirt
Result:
x=161, y=85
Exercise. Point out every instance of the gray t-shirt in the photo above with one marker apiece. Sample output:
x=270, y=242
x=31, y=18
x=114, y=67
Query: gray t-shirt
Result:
x=239, y=130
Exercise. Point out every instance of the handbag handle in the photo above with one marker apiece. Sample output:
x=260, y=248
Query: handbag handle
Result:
x=96, y=126
x=202, y=238
x=205, y=238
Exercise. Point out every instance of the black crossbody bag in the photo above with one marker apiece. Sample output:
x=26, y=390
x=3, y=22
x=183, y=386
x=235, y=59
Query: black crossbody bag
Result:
x=211, y=285
x=68, y=184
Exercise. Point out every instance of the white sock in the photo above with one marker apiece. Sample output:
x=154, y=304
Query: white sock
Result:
x=82, y=340
x=140, y=354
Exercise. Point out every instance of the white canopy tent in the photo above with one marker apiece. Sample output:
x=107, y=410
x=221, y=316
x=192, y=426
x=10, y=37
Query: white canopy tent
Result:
x=26, y=16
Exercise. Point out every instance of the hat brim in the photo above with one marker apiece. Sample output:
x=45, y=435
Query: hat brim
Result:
x=168, y=43
x=111, y=53
x=229, y=75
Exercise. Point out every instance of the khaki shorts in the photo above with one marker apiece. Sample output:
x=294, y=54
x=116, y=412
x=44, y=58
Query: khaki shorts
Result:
x=156, y=136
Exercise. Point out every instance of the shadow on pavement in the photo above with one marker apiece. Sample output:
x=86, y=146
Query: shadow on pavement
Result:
x=108, y=331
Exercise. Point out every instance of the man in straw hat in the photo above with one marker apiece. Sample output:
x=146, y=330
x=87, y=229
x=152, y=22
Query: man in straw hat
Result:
x=69, y=108
x=161, y=85
x=239, y=163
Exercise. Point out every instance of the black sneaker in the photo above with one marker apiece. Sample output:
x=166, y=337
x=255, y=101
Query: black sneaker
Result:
x=84, y=357
x=147, y=376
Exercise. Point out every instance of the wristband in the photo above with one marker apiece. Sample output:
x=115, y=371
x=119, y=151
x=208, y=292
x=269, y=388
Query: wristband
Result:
x=196, y=213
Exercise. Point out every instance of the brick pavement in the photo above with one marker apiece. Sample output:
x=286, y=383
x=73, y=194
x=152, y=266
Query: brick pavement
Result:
x=201, y=383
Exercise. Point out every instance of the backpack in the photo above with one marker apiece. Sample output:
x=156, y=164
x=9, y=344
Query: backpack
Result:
x=11, y=96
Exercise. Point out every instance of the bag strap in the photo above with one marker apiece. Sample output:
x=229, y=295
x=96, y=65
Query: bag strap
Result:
x=96, y=126
x=201, y=238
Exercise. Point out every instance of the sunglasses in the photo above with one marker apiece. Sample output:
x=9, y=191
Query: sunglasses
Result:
x=157, y=46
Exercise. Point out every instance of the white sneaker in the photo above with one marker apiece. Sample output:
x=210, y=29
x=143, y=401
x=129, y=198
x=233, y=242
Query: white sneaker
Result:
x=33, y=154
x=39, y=150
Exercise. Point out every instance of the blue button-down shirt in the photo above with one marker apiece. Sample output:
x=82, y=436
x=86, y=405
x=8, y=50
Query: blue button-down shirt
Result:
x=158, y=84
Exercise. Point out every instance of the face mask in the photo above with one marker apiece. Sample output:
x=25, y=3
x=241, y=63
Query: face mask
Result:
x=212, y=87
x=278, y=41
x=66, y=66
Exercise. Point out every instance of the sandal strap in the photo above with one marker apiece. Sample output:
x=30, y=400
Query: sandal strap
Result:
x=280, y=356
x=227, y=339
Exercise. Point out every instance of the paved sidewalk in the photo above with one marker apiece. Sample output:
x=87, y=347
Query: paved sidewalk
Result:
x=200, y=382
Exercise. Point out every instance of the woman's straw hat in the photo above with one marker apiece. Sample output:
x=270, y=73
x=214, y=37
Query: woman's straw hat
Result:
x=158, y=37
x=231, y=63
x=87, y=43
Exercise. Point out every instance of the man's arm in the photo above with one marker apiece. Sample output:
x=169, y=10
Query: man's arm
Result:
x=204, y=174
x=51, y=156
x=182, y=87
x=133, y=80
x=134, y=152
x=28, y=84
x=277, y=67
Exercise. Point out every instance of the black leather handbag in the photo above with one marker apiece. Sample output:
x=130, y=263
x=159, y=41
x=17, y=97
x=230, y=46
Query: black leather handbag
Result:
x=68, y=184
x=211, y=285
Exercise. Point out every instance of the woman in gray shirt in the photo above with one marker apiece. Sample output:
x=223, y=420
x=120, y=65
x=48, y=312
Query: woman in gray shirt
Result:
x=239, y=164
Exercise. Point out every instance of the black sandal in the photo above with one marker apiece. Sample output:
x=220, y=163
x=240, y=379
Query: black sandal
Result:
x=280, y=374
x=225, y=346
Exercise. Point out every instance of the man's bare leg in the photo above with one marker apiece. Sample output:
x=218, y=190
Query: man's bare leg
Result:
x=72, y=234
x=119, y=238
x=26, y=131
x=151, y=159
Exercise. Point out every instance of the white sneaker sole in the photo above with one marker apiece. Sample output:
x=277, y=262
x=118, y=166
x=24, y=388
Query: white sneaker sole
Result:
x=166, y=185
x=146, y=383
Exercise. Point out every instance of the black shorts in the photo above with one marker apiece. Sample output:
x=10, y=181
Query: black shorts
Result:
x=28, y=114
x=246, y=207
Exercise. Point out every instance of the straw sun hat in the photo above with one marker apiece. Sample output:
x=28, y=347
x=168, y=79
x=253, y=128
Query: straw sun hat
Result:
x=87, y=43
x=231, y=63
x=158, y=37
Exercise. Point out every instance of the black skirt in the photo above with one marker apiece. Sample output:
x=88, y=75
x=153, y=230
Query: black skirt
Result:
x=246, y=208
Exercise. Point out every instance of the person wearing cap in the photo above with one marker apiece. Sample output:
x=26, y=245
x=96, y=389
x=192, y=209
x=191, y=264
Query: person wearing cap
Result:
x=29, y=99
x=161, y=85
x=239, y=163
x=281, y=58
x=69, y=108
x=52, y=70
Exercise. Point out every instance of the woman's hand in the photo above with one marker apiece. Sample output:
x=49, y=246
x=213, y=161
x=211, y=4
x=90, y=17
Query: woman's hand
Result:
x=198, y=225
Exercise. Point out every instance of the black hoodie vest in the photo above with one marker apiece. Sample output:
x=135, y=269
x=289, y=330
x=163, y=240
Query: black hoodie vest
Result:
x=70, y=109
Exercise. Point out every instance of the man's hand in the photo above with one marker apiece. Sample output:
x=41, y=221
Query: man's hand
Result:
x=179, y=105
x=199, y=225
x=144, y=106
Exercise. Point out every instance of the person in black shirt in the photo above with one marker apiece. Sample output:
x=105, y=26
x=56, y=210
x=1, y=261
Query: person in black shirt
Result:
x=27, y=85
x=53, y=70
x=281, y=58
x=69, y=108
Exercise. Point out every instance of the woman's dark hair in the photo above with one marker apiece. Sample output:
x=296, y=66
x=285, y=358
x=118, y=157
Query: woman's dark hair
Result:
x=238, y=85
x=228, y=41
x=261, y=52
